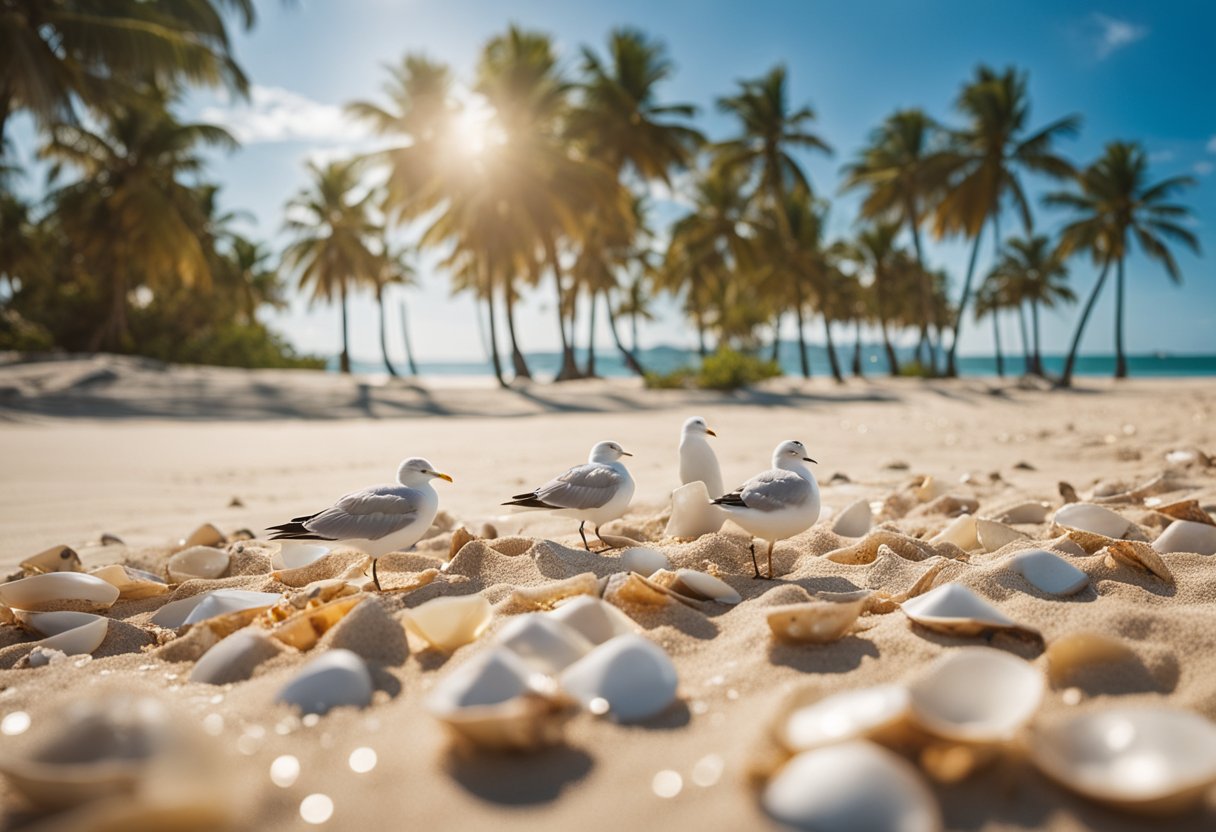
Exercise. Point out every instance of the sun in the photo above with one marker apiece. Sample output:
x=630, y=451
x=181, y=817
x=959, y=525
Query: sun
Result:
x=477, y=130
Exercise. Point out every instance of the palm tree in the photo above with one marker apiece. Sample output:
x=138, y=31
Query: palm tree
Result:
x=984, y=164
x=635, y=305
x=989, y=301
x=333, y=230
x=876, y=253
x=1032, y=272
x=258, y=284
x=392, y=268
x=1115, y=203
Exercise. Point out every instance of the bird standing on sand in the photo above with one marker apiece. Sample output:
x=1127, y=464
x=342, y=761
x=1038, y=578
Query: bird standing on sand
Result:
x=376, y=520
x=697, y=459
x=777, y=503
x=596, y=492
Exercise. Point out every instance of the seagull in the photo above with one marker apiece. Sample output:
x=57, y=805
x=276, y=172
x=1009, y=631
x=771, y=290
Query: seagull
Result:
x=777, y=503
x=697, y=459
x=376, y=520
x=596, y=492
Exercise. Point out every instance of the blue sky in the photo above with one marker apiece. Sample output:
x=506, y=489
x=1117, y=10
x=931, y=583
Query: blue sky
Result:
x=1140, y=71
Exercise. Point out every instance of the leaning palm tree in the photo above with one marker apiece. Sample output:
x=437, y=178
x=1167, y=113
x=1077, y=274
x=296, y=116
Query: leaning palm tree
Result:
x=333, y=230
x=1032, y=272
x=985, y=162
x=1115, y=204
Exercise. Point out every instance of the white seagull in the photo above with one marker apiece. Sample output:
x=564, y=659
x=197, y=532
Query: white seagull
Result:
x=697, y=459
x=596, y=492
x=376, y=520
x=777, y=503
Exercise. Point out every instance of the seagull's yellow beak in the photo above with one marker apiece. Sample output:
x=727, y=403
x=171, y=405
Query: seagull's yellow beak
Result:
x=443, y=476
x=710, y=431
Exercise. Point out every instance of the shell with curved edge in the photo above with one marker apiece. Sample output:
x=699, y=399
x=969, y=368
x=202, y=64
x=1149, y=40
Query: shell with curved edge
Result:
x=866, y=549
x=993, y=535
x=451, y=622
x=233, y=659
x=596, y=620
x=1137, y=555
x=59, y=591
x=296, y=554
x=1187, y=536
x=851, y=786
x=545, y=644
x=1048, y=572
x=854, y=520
x=699, y=585
x=495, y=701
x=303, y=628
x=72, y=633
x=976, y=694
x=1028, y=512
x=815, y=622
x=205, y=535
x=1072, y=652
x=692, y=513
x=197, y=562
x=133, y=584
x=544, y=597
x=961, y=531
x=1147, y=759
x=206, y=605
x=1088, y=517
x=643, y=560
x=337, y=678
x=54, y=559
x=853, y=714
x=953, y=609
x=633, y=675
x=1184, y=510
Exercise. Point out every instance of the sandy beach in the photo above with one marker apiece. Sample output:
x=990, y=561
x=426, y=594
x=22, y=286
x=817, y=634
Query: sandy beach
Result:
x=149, y=453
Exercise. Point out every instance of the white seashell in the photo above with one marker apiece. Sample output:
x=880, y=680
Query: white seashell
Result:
x=197, y=562
x=206, y=605
x=1187, y=536
x=692, y=513
x=58, y=590
x=205, y=535
x=854, y=520
x=1182, y=458
x=544, y=643
x=631, y=673
x=1048, y=572
x=72, y=633
x=1091, y=518
x=232, y=658
x=295, y=554
x=931, y=488
x=54, y=559
x=953, y=608
x=132, y=584
x=334, y=679
x=993, y=535
x=642, y=560
x=961, y=532
x=851, y=786
x=815, y=622
x=596, y=620
x=976, y=694
x=699, y=585
x=1151, y=759
x=843, y=716
x=448, y=623
x=1029, y=512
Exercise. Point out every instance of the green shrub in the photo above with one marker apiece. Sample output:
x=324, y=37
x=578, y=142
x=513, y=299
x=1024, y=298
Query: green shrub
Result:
x=914, y=369
x=726, y=369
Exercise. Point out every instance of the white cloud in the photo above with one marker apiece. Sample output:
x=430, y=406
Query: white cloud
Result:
x=1158, y=157
x=1114, y=34
x=1203, y=168
x=274, y=114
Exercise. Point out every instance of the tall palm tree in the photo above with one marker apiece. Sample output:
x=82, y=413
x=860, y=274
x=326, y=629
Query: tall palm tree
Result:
x=392, y=268
x=1114, y=204
x=877, y=254
x=1031, y=272
x=985, y=163
x=989, y=301
x=333, y=231
x=258, y=284
x=635, y=305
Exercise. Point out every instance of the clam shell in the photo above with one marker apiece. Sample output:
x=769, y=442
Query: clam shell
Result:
x=1139, y=556
x=1076, y=650
x=1187, y=536
x=234, y=658
x=59, y=591
x=692, y=513
x=596, y=620
x=1148, y=759
x=448, y=623
x=694, y=584
x=1028, y=512
x=72, y=633
x=953, y=609
x=304, y=628
x=993, y=535
x=866, y=549
x=643, y=560
x=132, y=584
x=930, y=488
x=544, y=597
x=1048, y=572
x=54, y=559
x=1088, y=517
x=197, y=562
x=335, y=679
x=814, y=622
x=631, y=673
x=848, y=787
x=850, y=715
x=545, y=644
x=854, y=520
x=205, y=535
x=976, y=694
x=205, y=605
x=961, y=532
x=1185, y=510
x=296, y=554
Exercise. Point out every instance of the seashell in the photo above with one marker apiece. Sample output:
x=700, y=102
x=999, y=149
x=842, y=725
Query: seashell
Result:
x=853, y=714
x=1182, y=457
x=205, y=605
x=54, y=559
x=1069, y=653
x=854, y=520
x=488, y=532
x=132, y=583
x=1138, y=556
x=197, y=562
x=1088, y=517
x=1029, y=512
x=296, y=554
x=543, y=643
x=642, y=560
x=692, y=513
x=694, y=584
x=631, y=673
x=596, y=620
x=930, y=488
x=459, y=537
x=1048, y=572
x=234, y=658
x=492, y=701
x=342, y=564
x=814, y=622
x=851, y=786
x=993, y=535
x=1157, y=485
x=1186, y=510
x=241, y=534
x=631, y=589
x=205, y=535
x=866, y=549
x=951, y=505
x=1187, y=536
x=448, y=623
x=976, y=694
x=955, y=610
x=72, y=633
x=59, y=591
x=303, y=628
x=961, y=532
x=335, y=679
x=1149, y=759
x=546, y=596
x=108, y=539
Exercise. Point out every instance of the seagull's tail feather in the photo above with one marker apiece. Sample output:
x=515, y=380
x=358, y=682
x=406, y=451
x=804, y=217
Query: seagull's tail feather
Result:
x=734, y=499
x=294, y=530
x=527, y=501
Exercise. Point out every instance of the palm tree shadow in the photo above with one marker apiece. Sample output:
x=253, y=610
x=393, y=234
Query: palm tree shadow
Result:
x=501, y=779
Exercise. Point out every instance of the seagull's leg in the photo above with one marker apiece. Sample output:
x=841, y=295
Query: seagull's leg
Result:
x=375, y=577
x=607, y=545
x=583, y=535
x=770, y=560
x=755, y=565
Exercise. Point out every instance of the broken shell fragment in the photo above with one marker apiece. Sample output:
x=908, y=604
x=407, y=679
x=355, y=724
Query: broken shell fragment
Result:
x=596, y=620
x=993, y=535
x=1048, y=572
x=631, y=673
x=1186, y=510
x=1187, y=536
x=59, y=591
x=296, y=554
x=853, y=714
x=459, y=538
x=955, y=610
x=851, y=786
x=132, y=583
x=1154, y=760
x=303, y=628
x=699, y=585
x=692, y=513
x=448, y=623
x=866, y=549
x=205, y=535
x=1029, y=512
x=197, y=562
x=335, y=679
x=854, y=520
x=205, y=605
x=1070, y=653
x=1138, y=556
x=626, y=589
x=234, y=658
x=643, y=560
x=54, y=559
x=546, y=596
x=72, y=633
x=543, y=643
x=815, y=622
x=961, y=532
x=976, y=694
x=1088, y=517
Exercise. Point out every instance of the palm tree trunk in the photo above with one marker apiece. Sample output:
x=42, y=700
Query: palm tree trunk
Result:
x=405, y=337
x=344, y=358
x=590, y=373
x=518, y=362
x=996, y=337
x=1120, y=358
x=1066, y=378
x=384, y=331
x=633, y=327
x=926, y=291
x=700, y=321
x=832, y=359
x=802, y=358
x=631, y=360
x=1034, y=320
x=495, y=360
x=108, y=334
x=952, y=355
x=857, y=350
x=775, y=353
x=1027, y=358
x=569, y=368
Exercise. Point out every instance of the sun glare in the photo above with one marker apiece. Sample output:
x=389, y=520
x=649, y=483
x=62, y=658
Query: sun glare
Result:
x=477, y=129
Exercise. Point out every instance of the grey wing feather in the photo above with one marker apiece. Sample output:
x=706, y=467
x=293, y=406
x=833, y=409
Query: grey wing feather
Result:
x=369, y=514
x=775, y=490
x=585, y=486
